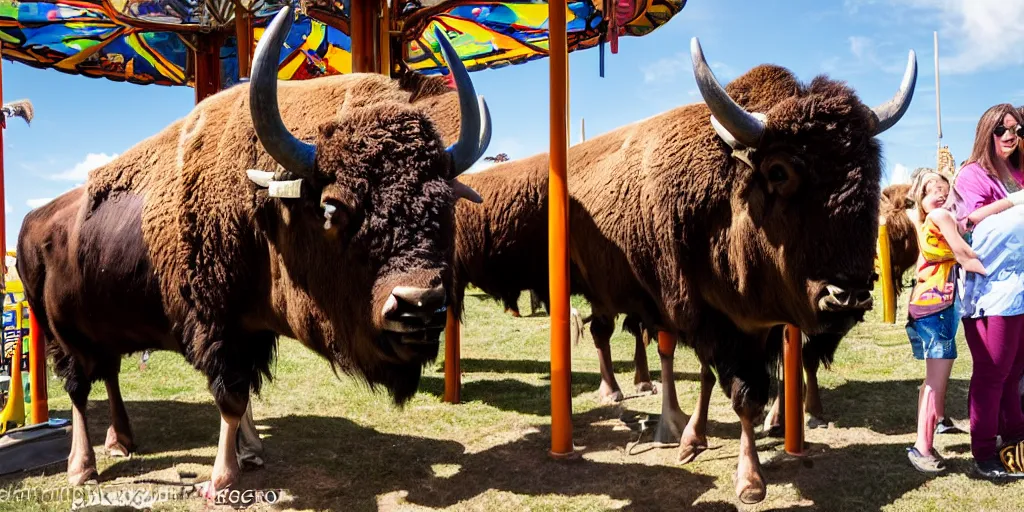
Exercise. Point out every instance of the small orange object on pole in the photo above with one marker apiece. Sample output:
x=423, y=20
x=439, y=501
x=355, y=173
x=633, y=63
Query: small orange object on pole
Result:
x=793, y=379
x=37, y=372
x=452, y=360
x=558, y=234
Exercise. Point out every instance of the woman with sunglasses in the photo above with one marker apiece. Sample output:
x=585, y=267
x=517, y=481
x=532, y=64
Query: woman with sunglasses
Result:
x=992, y=305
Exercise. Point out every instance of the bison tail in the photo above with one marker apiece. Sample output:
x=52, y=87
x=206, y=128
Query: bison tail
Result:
x=577, y=323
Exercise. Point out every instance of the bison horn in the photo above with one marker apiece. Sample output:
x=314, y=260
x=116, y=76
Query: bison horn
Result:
x=293, y=154
x=463, y=191
x=466, y=150
x=890, y=112
x=744, y=127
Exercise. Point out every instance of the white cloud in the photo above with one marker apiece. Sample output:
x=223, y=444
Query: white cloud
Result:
x=81, y=170
x=899, y=174
x=666, y=69
x=974, y=35
x=36, y=203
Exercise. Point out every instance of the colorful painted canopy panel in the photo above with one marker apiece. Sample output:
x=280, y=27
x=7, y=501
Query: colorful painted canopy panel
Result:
x=144, y=41
x=497, y=34
x=86, y=37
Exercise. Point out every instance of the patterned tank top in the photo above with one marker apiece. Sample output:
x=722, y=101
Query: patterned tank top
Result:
x=936, y=281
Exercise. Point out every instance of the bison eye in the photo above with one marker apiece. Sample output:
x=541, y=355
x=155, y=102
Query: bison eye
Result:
x=781, y=175
x=777, y=173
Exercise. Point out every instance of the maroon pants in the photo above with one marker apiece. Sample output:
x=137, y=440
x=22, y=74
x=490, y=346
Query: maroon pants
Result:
x=997, y=347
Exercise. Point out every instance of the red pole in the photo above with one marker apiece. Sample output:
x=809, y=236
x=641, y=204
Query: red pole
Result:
x=452, y=360
x=207, y=66
x=37, y=372
x=243, y=33
x=3, y=195
x=793, y=377
x=558, y=235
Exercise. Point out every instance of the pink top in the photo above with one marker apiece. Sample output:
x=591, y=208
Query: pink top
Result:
x=975, y=188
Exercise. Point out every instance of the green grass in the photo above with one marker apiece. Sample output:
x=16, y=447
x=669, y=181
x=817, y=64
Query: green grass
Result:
x=333, y=444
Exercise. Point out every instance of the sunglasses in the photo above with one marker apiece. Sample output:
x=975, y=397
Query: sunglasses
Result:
x=1000, y=130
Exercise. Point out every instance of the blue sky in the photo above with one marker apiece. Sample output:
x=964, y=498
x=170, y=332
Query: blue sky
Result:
x=82, y=122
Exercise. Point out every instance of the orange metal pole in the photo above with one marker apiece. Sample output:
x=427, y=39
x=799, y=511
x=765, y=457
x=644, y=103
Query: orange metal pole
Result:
x=243, y=33
x=793, y=376
x=558, y=235
x=452, y=360
x=39, y=412
x=361, y=33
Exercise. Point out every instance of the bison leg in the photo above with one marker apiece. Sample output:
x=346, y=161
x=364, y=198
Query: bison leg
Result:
x=695, y=435
x=812, y=398
x=120, y=441
x=601, y=328
x=750, y=485
x=250, y=446
x=774, y=424
x=82, y=460
x=672, y=420
x=642, y=375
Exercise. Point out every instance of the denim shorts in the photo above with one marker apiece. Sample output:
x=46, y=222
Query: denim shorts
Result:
x=934, y=336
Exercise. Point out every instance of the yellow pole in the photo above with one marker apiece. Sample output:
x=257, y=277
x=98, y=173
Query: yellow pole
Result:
x=14, y=410
x=885, y=262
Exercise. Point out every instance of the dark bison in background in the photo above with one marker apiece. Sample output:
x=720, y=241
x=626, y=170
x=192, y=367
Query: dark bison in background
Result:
x=225, y=230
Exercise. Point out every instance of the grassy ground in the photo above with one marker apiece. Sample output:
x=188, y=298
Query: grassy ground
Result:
x=333, y=444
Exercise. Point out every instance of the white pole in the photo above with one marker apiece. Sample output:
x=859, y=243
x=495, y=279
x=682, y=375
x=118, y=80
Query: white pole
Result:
x=938, y=110
x=583, y=130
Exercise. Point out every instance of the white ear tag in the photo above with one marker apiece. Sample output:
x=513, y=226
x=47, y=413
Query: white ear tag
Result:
x=285, y=189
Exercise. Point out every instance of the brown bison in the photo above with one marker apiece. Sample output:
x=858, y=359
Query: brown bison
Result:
x=501, y=247
x=346, y=247
x=718, y=222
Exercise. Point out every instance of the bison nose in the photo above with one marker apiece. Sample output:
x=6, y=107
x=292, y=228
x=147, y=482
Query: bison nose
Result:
x=838, y=299
x=409, y=309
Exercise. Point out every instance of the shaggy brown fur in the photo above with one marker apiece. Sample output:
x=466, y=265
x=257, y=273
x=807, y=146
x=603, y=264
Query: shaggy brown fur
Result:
x=667, y=227
x=501, y=247
x=217, y=269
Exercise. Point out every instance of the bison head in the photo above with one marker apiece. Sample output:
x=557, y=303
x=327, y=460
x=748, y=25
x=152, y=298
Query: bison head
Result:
x=366, y=232
x=807, y=168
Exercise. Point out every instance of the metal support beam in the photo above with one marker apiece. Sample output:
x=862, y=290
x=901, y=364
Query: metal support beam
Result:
x=794, y=386
x=558, y=234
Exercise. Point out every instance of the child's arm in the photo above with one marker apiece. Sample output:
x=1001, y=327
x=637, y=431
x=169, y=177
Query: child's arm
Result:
x=995, y=207
x=964, y=255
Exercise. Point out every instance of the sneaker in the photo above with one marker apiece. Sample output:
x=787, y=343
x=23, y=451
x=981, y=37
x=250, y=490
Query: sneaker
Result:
x=991, y=469
x=946, y=426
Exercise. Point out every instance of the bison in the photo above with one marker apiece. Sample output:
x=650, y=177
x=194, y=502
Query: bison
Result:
x=501, y=247
x=718, y=222
x=225, y=230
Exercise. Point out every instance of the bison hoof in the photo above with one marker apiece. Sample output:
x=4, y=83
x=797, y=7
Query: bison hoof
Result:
x=608, y=396
x=690, y=446
x=751, y=490
x=118, y=446
x=816, y=422
x=775, y=431
x=82, y=476
x=647, y=387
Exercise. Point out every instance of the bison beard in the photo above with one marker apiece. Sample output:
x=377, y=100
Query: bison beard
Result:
x=174, y=240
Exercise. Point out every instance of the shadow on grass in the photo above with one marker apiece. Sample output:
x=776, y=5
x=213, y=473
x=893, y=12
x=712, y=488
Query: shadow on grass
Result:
x=470, y=365
x=887, y=407
x=326, y=461
x=515, y=395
